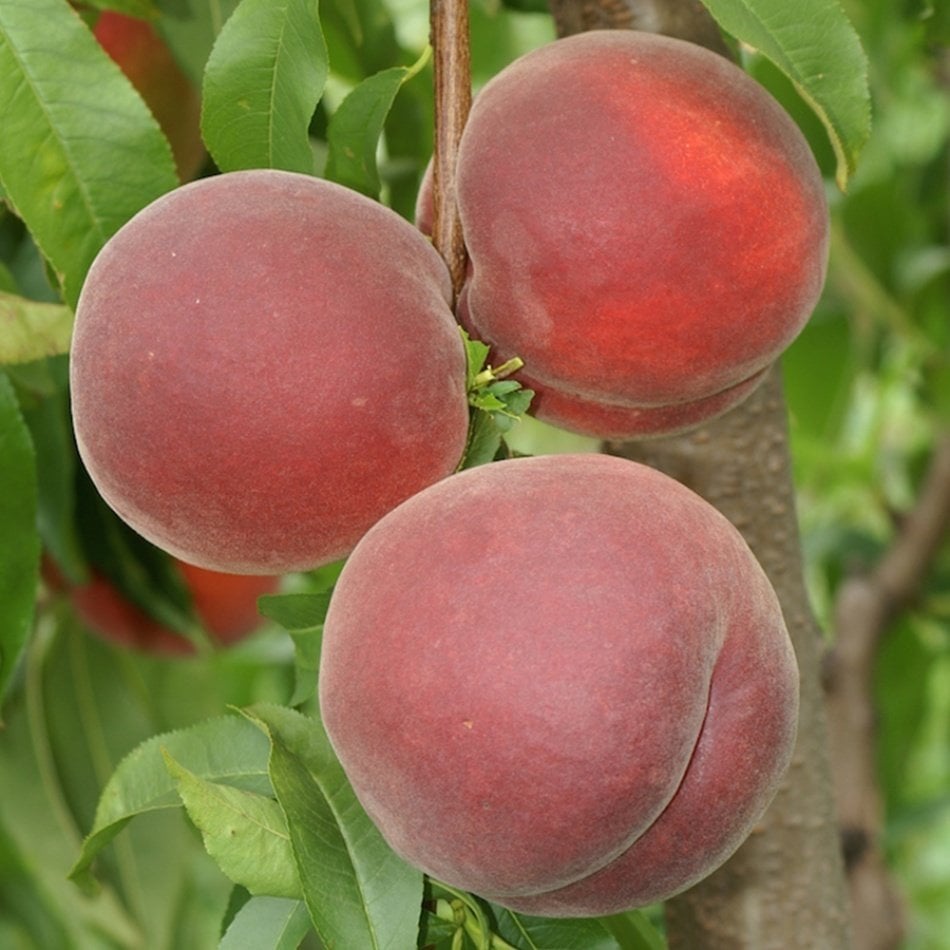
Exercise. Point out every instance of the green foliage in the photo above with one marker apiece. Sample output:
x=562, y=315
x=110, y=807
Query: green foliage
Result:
x=136, y=8
x=51, y=163
x=355, y=127
x=228, y=749
x=32, y=329
x=302, y=616
x=496, y=403
x=265, y=74
x=267, y=923
x=813, y=43
x=245, y=832
x=19, y=553
x=358, y=892
x=454, y=919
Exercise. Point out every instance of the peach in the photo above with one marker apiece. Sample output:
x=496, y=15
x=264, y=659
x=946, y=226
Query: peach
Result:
x=225, y=605
x=647, y=230
x=173, y=100
x=563, y=683
x=263, y=364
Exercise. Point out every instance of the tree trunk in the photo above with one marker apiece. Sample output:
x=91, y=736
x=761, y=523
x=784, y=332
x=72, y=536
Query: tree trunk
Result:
x=785, y=887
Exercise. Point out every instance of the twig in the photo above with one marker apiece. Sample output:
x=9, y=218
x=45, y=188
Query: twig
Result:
x=865, y=609
x=448, y=21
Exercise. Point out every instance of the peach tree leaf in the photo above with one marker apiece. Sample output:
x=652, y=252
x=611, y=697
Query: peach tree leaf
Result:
x=245, y=832
x=81, y=151
x=495, y=403
x=355, y=127
x=228, y=749
x=297, y=611
x=47, y=417
x=137, y=8
x=302, y=616
x=20, y=548
x=267, y=923
x=30, y=329
x=358, y=891
x=815, y=45
x=262, y=82
x=546, y=933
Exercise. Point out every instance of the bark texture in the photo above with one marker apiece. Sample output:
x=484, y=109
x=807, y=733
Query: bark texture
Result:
x=785, y=887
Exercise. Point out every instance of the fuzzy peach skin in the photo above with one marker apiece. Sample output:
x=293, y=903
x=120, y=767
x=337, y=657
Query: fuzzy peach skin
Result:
x=146, y=60
x=647, y=229
x=563, y=683
x=263, y=364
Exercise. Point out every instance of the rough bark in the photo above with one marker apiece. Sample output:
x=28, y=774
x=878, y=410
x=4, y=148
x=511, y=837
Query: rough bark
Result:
x=784, y=889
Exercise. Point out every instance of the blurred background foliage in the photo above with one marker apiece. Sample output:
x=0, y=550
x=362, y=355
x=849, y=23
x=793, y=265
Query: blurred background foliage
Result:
x=868, y=385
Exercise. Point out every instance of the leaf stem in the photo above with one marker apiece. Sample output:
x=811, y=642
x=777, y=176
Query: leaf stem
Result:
x=492, y=374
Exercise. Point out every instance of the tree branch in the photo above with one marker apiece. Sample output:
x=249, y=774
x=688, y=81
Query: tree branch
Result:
x=449, y=35
x=865, y=608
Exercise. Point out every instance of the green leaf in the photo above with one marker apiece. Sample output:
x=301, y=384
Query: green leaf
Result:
x=358, y=891
x=137, y=8
x=302, y=616
x=51, y=431
x=30, y=330
x=296, y=611
x=634, y=930
x=20, y=550
x=7, y=280
x=245, y=833
x=545, y=933
x=262, y=82
x=267, y=923
x=191, y=38
x=496, y=403
x=227, y=749
x=815, y=45
x=81, y=152
x=354, y=129
x=37, y=844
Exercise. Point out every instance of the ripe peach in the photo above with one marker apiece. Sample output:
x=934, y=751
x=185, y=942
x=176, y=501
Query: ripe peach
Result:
x=143, y=56
x=647, y=230
x=225, y=604
x=561, y=682
x=263, y=364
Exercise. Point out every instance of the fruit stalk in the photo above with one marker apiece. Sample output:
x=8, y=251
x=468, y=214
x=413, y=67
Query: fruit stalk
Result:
x=453, y=98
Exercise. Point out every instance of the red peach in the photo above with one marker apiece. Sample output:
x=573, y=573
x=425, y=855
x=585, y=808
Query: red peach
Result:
x=647, y=230
x=263, y=364
x=563, y=683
